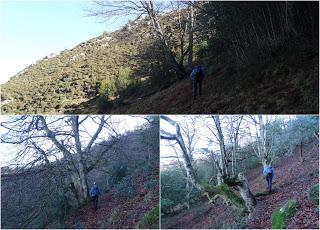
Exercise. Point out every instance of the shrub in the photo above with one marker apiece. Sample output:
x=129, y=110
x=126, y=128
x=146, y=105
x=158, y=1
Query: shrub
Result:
x=280, y=217
x=313, y=194
x=118, y=171
x=126, y=188
x=108, y=88
x=173, y=188
x=150, y=220
x=278, y=220
x=123, y=80
x=151, y=184
x=166, y=205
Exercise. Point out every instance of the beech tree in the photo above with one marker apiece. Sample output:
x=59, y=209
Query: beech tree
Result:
x=153, y=9
x=225, y=180
x=65, y=139
x=262, y=148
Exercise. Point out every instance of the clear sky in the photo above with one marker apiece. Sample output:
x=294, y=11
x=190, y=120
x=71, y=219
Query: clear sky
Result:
x=31, y=30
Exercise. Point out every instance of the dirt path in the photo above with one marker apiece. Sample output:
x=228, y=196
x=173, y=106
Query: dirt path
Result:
x=292, y=180
x=114, y=211
x=201, y=216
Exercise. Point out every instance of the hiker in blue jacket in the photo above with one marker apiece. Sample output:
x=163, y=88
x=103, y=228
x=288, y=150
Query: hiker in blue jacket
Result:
x=197, y=76
x=94, y=193
x=269, y=173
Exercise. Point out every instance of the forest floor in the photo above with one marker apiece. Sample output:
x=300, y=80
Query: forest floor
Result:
x=114, y=212
x=293, y=179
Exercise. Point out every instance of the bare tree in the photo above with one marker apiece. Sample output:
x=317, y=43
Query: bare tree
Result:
x=261, y=149
x=223, y=176
x=191, y=23
x=234, y=123
x=152, y=9
x=64, y=139
x=177, y=136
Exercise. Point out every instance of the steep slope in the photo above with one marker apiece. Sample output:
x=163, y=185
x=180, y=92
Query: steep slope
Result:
x=285, y=86
x=117, y=212
x=64, y=80
x=125, y=72
x=293, y=180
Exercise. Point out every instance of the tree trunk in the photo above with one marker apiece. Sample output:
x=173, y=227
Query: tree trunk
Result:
x=190, y=28
x=301, y=156
x=188, y=189
x=245, y=193
x=262, y=136
x=223, y=162
x=83, y=182
x=158, y=31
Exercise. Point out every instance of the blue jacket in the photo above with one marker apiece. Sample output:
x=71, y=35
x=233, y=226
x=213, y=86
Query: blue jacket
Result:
x=267, y=170
x=94, y=191
x=195, y=70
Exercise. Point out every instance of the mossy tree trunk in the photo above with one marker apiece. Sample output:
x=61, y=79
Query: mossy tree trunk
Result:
x=245, y=193
x=225, y=182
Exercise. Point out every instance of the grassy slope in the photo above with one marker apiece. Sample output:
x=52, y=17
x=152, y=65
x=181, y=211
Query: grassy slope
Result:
x=69, y=82
x=62, y=82
x=284, y=87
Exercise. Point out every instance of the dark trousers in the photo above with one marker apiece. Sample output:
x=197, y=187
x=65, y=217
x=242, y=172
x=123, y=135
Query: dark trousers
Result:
x=269, y=181
x=196, y=83
x=95, y=202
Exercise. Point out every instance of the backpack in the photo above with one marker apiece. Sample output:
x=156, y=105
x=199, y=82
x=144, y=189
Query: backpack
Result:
x=198, y=73
x=93, y=191
x=267, y=170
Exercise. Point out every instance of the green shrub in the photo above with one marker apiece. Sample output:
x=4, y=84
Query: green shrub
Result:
x=150, y=219
x=166, y=205
x=173, y=189
x=313, y=194
x=118, y=171
x=108, y=88
x=278, y=220
x=280, y=217
x=151, y=184
x=123, y=80
x=126, y=188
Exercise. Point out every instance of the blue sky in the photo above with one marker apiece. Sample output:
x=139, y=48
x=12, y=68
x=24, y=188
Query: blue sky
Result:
x=31, y=30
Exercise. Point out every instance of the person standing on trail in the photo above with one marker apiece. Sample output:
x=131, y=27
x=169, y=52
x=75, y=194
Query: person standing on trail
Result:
x=197, y=76
x=269, y=173
x=94, y=193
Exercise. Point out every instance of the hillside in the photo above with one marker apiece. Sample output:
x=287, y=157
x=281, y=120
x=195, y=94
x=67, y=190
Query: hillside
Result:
x=48, y=195
x=255, y=64
x=293, y=180
x=286, y=86
x=117, y=212
x=64, y=80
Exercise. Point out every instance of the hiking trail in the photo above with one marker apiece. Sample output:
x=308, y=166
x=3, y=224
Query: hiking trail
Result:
x=114, y=211
x=293, y=179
